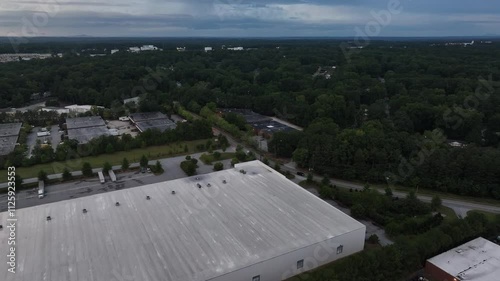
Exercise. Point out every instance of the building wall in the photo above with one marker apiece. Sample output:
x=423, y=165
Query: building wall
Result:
x=435, y=273
x=285, y=266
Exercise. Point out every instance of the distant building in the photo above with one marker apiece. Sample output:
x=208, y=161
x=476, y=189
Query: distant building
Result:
x=133, y=100
x=236, y=49
x=208, y=49
x=149, y=48
x=114, y=51
x=54, y=109
x=152, y=120
x=181, y=49
x=134, y=49
x=84, y=129
x=457, y=144
x=75, y=108
x=476, y=260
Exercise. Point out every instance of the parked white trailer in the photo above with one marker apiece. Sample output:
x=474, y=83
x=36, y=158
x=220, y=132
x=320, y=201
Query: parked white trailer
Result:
x=43, y=134
x=41, y=189
x=101, y=177
x=112, y=175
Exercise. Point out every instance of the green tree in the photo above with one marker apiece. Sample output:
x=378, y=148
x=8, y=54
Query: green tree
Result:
x=18, y=180
x=144, y=161
x=218, y=166
x=265, y=161
x=109, y=148
x=87, y=170
x=388, y=192
x=358, y=211
x=234, y=161
x=188, y=167
x=158, y=167
x=106, y=167
x=125, y=164
x=436, y=203
x=66, y=175
x=373, y=239
x=217, y=155
x=42, y=176
x=325, y=180
x=310, y=178
x=277, y=167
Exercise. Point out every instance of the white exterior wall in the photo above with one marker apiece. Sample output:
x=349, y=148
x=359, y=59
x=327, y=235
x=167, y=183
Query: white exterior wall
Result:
x=285, y=266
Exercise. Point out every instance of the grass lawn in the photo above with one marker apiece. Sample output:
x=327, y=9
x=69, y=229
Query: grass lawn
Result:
x=489, y=216
x=209, y=158
x=153, y=152
x=448, y=213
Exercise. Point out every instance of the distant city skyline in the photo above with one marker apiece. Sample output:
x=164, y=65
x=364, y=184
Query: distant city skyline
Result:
x=242, y=18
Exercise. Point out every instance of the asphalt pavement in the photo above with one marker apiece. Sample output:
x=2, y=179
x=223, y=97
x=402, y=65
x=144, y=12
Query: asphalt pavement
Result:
x=91, y=186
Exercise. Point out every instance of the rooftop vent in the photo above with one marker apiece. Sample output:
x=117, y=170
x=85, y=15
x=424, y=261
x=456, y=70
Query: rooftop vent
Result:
x=148, y=198
x=243, y=171
x=173, y=192
x=49, y=218
x=224, y=181
x=1, y=227
x=199, y=185
x=84, y=211
x=117, y=204
x=209, y=185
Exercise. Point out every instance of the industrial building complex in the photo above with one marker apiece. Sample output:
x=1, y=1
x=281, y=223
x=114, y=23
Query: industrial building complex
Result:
x=262, y=125
x=247, y=223
x=9, y=133
x=152, y=120
x=83, y=129
x=476, y=260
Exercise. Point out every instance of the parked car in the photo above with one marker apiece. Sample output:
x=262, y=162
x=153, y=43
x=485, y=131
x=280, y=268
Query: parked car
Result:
x=301, y=174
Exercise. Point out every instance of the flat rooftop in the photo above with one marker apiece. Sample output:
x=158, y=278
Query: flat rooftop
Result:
x=9, y=133
x=84, y=122
x=84, y=135
x=192, y=235
x=7, y=144
x=159, y=124
x=476, y=260
x=10, y=129
x=143, y=116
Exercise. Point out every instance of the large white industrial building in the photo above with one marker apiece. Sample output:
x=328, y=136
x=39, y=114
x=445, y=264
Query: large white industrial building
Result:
x=249, y=223
x=476, y=260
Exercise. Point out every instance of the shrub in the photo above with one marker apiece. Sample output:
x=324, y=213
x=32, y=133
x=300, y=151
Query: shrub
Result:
x=188, y=167
x=218, y=166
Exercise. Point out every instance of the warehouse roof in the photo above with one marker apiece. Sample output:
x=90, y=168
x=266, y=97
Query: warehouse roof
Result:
x=143, y=116
x=195, y=234
x=84, y=135
x=159, y=124
x=9, y=133
x=10, y=129
x=7, y=144
x=476, y=260
x=84, y=122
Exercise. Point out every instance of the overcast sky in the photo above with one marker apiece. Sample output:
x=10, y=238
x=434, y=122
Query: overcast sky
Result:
x=244, y=18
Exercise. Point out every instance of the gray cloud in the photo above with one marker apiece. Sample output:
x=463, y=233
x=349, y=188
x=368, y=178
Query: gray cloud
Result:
x=253, y=17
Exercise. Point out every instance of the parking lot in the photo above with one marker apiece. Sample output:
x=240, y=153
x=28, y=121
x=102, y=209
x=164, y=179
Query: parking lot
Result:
x=54, y=138
x=92, y=186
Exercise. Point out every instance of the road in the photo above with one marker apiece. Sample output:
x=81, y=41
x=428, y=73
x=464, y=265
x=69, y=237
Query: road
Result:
x=461, y=207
